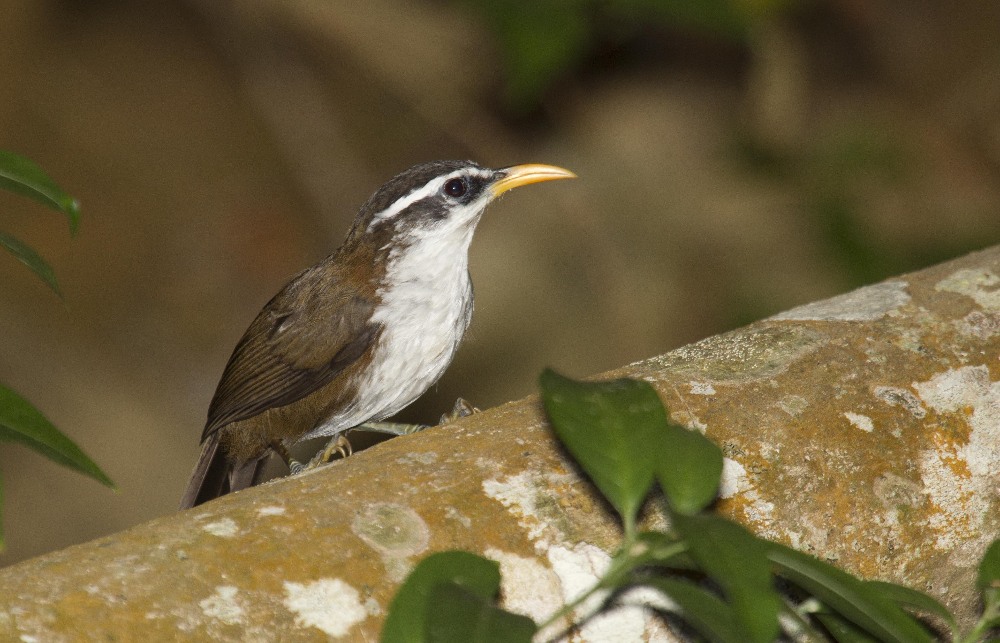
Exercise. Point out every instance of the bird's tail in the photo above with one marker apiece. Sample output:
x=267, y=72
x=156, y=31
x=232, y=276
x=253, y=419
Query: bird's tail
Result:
x=215, y=476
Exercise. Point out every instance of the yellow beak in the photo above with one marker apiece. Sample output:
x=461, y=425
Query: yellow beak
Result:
x=518, y=175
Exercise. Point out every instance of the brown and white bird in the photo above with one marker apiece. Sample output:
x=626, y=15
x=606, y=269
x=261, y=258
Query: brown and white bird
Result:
x=361, y=334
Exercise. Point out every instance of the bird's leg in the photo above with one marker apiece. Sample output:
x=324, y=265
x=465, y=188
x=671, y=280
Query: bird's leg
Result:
x=463, y=408
x=294, y=466
x=338, y=444
x=390, y=428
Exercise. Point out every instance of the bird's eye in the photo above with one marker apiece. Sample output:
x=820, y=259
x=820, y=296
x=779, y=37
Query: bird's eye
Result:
x=455, y=188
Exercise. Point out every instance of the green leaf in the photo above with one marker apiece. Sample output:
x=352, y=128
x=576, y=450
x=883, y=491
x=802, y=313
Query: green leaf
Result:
x=843, y=631
x=709, y=615
x=914, y=600
x=456, y=615
x=989, y=568
x=851, y=598
x=737, y=561
x=18, y=174
x=30, y=258
x=21, y=422
x=407, y=618
x=608, y=427
x=689, y=470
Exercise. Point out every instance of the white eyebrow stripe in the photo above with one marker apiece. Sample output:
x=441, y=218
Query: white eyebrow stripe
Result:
x=427, y=190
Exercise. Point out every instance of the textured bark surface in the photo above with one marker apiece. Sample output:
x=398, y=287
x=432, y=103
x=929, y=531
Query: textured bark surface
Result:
x=864, y=429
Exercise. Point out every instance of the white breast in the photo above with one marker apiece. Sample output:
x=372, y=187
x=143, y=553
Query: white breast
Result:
x=424, y=311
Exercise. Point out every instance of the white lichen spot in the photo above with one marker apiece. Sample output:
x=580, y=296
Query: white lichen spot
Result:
x=862, y=422
x=578, y=569
x=524, y=494
x=224, y=528
x=981, y=285
x=528, y=587
x=701, y=388
x=760, y=513
x=223, y=605
x=955, y=388
x=328, y=604
x=979, y=324
x=454, y=514
x=960, y=478
x=271, y=510
x=864, y=304
x=734, y=479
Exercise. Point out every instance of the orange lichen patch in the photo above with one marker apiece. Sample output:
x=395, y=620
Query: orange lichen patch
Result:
x=949, y=457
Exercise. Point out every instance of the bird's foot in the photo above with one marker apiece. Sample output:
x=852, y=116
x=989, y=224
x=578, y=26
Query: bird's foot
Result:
x=463, y=408
x=338, y=444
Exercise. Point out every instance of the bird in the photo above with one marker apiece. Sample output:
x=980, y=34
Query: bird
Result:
x=363, y=333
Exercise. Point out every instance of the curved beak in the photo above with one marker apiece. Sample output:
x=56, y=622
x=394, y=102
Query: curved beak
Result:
x=518, y=175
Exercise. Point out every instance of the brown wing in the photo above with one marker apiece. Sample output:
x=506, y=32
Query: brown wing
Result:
x=303, y=338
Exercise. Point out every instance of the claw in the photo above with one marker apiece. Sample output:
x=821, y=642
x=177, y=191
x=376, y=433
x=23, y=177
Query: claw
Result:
x=463, y=408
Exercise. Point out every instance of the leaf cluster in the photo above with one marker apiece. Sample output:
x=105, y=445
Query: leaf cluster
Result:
x=720, y=580
x=19, y=420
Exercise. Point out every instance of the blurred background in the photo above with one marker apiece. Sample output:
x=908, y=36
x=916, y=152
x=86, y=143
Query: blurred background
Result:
x=736, y=158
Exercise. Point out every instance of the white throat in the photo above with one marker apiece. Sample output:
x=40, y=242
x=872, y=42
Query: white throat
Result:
x=425, y=307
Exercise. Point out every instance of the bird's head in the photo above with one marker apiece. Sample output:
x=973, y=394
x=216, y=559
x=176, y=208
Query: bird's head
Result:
x=440, y=202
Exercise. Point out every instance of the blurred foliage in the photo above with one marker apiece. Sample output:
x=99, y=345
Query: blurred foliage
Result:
x=545, y=40
x=19, y=420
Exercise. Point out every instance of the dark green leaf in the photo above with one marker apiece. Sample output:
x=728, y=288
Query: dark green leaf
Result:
x=737, y=561
x=915, y=600
x=18, y=174
x=689, y=469
x=21, y=422
x=30, y=258
x=609, y=427
x=406, y=621
x=709, y=615
x=848, y=596
x=843, y=631
x=989, y=568
x=456, y=615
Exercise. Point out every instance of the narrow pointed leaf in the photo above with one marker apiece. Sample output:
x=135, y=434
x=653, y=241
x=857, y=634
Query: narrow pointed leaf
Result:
x=708, y=614
x=30, y=258
x=22, y=422
x=737, y=561
x=689, y=469
x=843, y=631
x=989, y=568
x=608, y=427
x=915, y=600
x=406, y=621
x=18, y=174
x=456, y=615
x=856, y=602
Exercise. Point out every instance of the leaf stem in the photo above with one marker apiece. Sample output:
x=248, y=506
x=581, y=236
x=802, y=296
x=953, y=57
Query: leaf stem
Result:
x=626, y=559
